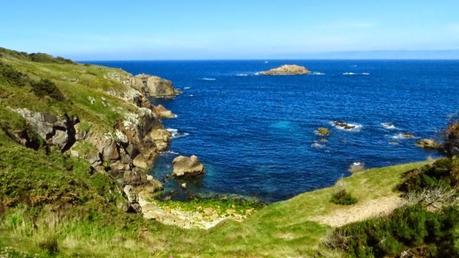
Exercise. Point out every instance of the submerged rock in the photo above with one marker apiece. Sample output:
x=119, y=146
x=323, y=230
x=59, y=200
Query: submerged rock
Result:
x=287, y=70
x=187, y=166
x=322, y=131
x=428, y=144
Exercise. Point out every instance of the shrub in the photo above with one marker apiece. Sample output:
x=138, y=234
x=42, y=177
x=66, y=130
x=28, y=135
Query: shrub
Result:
x=343, y=198
x=409, y=228
x=12, y=76
x=443, y=173
x=45, y=87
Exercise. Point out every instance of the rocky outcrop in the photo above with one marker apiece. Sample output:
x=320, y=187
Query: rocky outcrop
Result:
x=187, y=166
x=163, y=112
x=287, y=70
x=428, y=144
x=153, y=86
x=56, y=131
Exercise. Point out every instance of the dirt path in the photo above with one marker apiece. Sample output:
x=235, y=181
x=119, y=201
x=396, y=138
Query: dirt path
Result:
x=360, y=211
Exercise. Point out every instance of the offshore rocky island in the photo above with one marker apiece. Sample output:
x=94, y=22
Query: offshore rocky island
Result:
x=78, y=142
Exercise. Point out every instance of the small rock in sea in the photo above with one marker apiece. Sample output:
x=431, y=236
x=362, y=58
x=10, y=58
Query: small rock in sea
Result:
x=356, y=167
x=343, y=125
x=322, y=131
x=428, y=144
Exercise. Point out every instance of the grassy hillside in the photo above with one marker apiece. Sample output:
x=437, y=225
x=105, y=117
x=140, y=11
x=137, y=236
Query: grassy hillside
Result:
x=52, y=204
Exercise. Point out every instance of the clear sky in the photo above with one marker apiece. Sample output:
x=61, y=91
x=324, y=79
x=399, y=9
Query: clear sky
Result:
x=226, y=29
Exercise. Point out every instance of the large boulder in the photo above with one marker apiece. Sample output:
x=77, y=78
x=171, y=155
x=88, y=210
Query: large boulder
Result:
x=287, y=70
x=187, y=166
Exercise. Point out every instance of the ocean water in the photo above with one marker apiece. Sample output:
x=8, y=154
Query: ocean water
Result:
x=255, y=134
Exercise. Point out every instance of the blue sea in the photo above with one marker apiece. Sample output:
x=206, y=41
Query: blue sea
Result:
x=255, y=134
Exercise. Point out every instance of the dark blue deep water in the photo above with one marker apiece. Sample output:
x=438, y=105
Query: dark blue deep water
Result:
x=255, y=134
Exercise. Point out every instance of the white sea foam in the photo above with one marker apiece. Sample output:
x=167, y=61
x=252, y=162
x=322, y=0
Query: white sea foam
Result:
x=176, y=134
x=242, y=74
x=317, y=145
x=208, y=79
x=403, y=136
x=187, y=88
x=349, y=127
x=352, y=73
x=356, y=166
x=317, y=73
x=191, y=95
x=389, y=126
x=171, y=152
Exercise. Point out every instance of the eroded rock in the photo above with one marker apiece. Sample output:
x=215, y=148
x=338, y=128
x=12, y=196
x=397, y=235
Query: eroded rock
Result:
x=187, y=166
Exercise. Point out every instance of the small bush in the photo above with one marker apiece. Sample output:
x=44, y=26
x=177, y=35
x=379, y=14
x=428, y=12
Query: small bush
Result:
x=343, y=198
x=45, y=87
x=50, y=245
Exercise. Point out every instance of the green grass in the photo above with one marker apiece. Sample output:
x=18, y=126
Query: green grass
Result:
x=53, y=205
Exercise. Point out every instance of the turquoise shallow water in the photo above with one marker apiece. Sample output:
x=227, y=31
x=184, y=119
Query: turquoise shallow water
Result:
x=255, y=134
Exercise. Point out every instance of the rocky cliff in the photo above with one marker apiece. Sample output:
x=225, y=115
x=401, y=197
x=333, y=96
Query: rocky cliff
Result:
x=103, y=116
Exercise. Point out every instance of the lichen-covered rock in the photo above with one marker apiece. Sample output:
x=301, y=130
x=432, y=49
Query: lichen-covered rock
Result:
x=287, y=70
x=187, y=166
x=153, y=86
x=56, y=131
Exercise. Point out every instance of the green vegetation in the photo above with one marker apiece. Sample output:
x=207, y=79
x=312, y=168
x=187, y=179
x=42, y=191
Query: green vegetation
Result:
x=444, y=173
x=53, y=205
x=343, y=198
x=412, y=229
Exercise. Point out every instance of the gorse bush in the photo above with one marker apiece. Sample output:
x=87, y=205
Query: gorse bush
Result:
x=45, y=87
x=410, y=229
x=443, y=173
x=12, y=76
x=343, y=198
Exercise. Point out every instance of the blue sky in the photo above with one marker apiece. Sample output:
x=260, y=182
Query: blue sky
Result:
x=236, y=29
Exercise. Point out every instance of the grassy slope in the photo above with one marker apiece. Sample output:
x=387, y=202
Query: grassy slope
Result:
x=54, y=201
